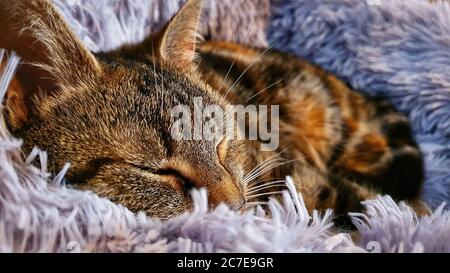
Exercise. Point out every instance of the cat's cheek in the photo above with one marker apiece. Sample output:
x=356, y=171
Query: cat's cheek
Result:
x=163, y=203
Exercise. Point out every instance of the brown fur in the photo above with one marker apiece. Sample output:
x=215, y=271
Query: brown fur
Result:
x=108, y=115
x=354, y=147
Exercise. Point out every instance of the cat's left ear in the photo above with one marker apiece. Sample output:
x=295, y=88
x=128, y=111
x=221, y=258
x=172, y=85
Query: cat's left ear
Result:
x=176, y=43
x=53, y=58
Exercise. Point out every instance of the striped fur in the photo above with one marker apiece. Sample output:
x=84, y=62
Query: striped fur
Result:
x=108, y=115
x=353, y=146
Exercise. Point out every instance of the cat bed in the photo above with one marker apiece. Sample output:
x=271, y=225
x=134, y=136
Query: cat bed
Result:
x=388, y=49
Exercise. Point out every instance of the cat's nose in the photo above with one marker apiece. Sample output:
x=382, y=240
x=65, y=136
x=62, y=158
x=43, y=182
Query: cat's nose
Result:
x=227, y=193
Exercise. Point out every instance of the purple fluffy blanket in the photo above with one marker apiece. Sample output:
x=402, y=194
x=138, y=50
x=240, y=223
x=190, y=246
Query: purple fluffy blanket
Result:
x=382, y=46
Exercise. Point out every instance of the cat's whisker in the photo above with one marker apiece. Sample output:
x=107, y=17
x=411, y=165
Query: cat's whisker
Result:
x=267, y=180
x=261, y=182
x=262, y=171
x=273, y=166
x=265, y=186
x=235, y=58
x=263, y=194
x=265, y=169
x=282, y=183
x=267, y=88
x=257, y=170
x=257, y=167
x=249, y=181
x=264, y=162
x=280, y=164
x=254, y=204
x=249, y=66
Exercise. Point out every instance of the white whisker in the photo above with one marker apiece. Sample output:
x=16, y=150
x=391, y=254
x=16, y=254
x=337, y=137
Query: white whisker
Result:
x=265, y=187
x=267, y=88
x=263, y=194
x=260, y=169
x=266, y=182
x=249, y=66
x=262, y=182
x=235, y=58
x=266, y=168
x=253, y=204
x=264, y=162
x=276, y=165
x=263, y=171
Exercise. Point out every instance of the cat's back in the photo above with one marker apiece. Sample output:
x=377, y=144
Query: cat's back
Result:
x=311, y=101
x=336, y=129
x=240, y=69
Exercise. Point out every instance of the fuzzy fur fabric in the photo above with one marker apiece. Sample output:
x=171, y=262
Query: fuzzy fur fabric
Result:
x=394, y=48
x=105, y=25
x=40, y=214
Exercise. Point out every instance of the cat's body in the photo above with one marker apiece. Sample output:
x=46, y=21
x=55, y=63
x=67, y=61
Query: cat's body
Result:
x=108, y=115
x=343, y=147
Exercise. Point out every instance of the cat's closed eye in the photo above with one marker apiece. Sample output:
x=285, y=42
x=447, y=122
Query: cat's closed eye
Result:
x=172, y=174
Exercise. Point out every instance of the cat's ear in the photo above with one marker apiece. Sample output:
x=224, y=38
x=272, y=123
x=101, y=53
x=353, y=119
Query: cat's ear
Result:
x=177, y=41
x=53, y=58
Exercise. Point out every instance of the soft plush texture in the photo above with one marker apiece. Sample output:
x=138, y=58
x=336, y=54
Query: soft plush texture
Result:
x=105, y=25
x=39, y=213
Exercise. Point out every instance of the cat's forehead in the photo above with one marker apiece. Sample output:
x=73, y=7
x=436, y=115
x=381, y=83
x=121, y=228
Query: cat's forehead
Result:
x=159, y=82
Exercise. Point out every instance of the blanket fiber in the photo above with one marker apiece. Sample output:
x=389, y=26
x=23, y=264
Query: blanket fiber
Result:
x=395, y=48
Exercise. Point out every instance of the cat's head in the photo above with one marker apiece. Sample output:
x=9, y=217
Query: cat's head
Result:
x=108, y=114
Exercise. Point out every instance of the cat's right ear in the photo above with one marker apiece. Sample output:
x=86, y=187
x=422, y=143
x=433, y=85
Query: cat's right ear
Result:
x=176, y=42
x=53, y=58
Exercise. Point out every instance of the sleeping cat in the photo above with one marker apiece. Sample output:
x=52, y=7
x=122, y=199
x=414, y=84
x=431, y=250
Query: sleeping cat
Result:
x=108, y=115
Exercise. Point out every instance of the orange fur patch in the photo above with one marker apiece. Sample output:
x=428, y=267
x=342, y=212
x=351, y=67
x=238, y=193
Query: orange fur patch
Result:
x=366, y=153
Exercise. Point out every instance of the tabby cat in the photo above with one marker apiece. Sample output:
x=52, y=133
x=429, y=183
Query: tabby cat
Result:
x=108, y=115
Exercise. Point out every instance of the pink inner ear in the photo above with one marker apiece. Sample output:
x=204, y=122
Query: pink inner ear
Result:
x=178, y=37
x=178, y=47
